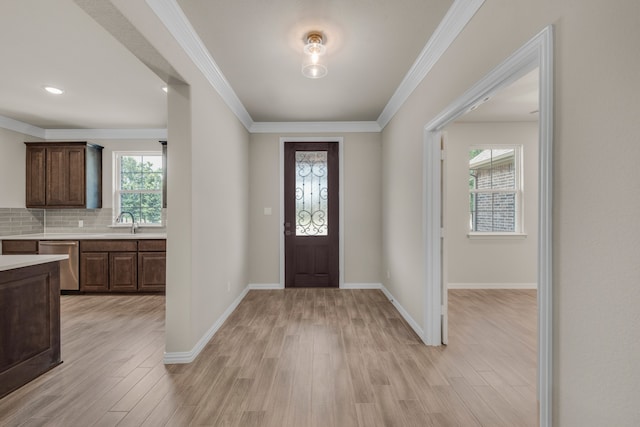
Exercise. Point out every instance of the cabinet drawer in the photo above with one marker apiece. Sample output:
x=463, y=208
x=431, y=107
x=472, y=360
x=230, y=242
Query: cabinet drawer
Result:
x=19, y=247
x=108, y=245
x=152, y=245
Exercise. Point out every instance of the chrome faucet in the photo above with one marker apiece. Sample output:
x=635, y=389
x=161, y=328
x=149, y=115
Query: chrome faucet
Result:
x=134, y=226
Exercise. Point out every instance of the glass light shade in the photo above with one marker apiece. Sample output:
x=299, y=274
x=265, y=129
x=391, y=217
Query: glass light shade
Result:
x=313, y=65
x=314, y=70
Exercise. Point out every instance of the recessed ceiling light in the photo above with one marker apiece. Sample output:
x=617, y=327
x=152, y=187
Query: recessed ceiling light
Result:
x=54, y=90
x=165, y=89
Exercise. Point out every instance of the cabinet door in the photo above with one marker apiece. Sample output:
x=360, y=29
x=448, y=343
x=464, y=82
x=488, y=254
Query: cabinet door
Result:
x=123, y=271
x=94, y=272
x=36, y=160
x=152, y=267
x=65, y=176
x=76, y=190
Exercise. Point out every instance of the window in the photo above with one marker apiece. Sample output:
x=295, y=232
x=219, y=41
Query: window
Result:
x=495, y=189
x=137, y=186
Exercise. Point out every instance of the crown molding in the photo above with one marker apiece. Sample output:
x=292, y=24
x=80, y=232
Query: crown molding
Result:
x=174, y=19
x=59, y=134
x=456, y=18
x=21, y=127
x=311, y=127
x=51, y=134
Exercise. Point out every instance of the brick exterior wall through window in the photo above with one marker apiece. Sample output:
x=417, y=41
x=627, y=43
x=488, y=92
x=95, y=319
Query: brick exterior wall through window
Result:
x=494, y=211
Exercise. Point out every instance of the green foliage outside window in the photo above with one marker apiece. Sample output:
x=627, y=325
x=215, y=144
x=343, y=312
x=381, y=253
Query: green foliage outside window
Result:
x=141, y=188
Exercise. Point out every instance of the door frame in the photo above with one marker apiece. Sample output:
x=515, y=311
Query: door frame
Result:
x=536, y=53
x=340, y=141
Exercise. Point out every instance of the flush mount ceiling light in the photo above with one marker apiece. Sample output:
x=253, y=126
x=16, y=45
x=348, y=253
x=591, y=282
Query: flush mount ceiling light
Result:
x=165, y=89
x=313, y=65
x=54, y=90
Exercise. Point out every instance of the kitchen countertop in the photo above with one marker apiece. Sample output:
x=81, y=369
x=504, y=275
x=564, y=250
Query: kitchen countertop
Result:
x=9, y=262
x=85, y=236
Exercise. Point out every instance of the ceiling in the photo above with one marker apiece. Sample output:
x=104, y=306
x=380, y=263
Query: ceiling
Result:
x=257, y=44
x=56, y=43
x=517, y=102
x=371, y=44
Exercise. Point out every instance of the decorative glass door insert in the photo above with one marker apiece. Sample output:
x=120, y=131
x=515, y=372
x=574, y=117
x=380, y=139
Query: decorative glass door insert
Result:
x=311, y=193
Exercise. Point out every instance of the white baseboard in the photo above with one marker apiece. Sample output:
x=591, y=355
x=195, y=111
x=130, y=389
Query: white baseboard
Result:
x=265, y=286
x=361, y=286
x=171, y=358
x=404, y=313
x=492, y=286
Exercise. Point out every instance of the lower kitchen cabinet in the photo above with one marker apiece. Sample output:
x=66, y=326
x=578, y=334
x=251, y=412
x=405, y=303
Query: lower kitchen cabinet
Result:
x=123, y=271
x=94, y=271
x=122, y=265
x=152, y=267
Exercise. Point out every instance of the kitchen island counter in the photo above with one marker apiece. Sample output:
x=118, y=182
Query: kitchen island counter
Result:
x=29, y=318
x=9, y=262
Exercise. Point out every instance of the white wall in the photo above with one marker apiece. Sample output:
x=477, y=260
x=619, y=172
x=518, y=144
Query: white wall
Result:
x=13, y=168
x=362, y=207
x=596, y=339
x=220, y=208
x=208, y=193
x=490, y=261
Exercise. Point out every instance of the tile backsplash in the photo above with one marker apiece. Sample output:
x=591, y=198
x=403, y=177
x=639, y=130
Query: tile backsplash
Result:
x=21, y=221
x=29, y=221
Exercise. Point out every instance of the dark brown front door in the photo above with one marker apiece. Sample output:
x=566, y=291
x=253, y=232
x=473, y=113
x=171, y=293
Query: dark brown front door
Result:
x=311, y=214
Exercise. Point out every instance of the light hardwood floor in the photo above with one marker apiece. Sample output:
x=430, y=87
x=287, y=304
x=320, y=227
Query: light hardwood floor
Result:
x=290, y=358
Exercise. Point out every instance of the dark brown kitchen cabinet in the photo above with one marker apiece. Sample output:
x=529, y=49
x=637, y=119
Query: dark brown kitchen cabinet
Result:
x=123, y=271
x=63, y=175
x=19, y=247
x=108, y=265
x=123, y=265
x=164, y=173
x=94, y=272
x=29, y=324
x=152, y=265
x=36, y=173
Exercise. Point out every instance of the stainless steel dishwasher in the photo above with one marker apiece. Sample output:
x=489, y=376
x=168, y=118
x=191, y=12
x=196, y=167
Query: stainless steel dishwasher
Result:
x=68, y=268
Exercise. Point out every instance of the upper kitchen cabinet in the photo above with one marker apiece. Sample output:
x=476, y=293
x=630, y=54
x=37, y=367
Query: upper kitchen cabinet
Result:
x=64, y=175
x=164, y=173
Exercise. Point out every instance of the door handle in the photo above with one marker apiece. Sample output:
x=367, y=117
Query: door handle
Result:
x=287, y=233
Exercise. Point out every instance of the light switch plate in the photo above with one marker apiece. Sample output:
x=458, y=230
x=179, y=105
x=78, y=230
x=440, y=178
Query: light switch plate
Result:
x=267, y=211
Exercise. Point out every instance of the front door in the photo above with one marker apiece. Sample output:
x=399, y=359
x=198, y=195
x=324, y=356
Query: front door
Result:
x=311, y=214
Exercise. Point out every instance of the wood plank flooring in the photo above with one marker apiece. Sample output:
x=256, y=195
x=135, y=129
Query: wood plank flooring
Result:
x=306, y=357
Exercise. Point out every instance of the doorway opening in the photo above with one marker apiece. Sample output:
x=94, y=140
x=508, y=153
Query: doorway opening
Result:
x=537, y=53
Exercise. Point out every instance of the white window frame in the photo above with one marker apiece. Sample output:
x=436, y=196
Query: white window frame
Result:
x=518, y=191
x=117, y=155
